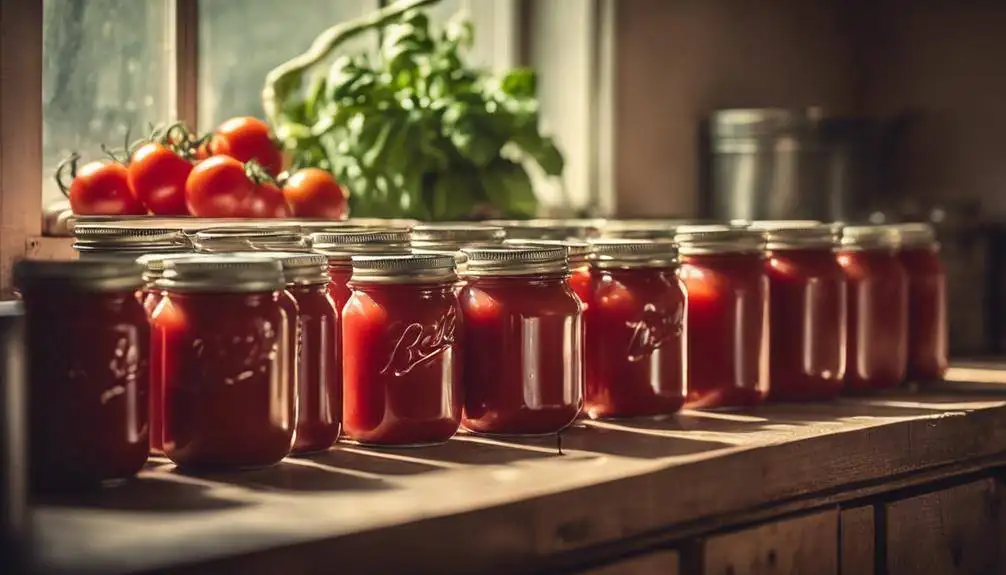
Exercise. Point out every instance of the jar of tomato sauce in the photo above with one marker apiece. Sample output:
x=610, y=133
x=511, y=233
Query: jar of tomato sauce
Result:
x=317, y=360
x=340, y=247
x=88, y=343
x=927, y=301
x=877, y=296
x=127, y=242
x=228, y=404
x=523, y=365
x=239, y=239
x=723, y=270
x=402, y=350
x=634, y=327
x=807, y=307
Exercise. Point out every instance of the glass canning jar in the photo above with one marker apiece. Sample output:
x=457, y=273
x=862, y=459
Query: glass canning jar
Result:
x=403, y=351
x=228, y=403
x=340, y=247
x=316, y=361
x=723, y=270
x=523, y=361
x=877, y=300
x=634, y=328
x=578, y=255
x=807, y=311
x=88, y=345
x=927, y=301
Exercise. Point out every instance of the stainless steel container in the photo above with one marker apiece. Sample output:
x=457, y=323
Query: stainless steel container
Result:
x=777, y=164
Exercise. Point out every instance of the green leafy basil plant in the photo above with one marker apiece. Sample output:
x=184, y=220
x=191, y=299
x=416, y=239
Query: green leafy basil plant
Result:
x=420, y=132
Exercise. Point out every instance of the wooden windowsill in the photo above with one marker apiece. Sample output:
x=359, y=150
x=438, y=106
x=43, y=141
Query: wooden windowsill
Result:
x=481, y=505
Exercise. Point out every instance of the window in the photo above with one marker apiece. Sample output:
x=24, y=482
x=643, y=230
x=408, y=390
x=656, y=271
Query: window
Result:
x=102, y=76
x=241, y=41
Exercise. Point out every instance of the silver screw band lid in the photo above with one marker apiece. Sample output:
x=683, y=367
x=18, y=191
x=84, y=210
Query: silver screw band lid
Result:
x=249, y=239
x=99, y=275
x=797, y=234
x=511, y=260
x=714, y=239
x=224, y=273
x=404, y=268
x=547, y=229
x=341, y=245
x=867, y=237
x=131, y=239
x=628, y=253
x=916, y=234
x=577, y=251
x=455, y=236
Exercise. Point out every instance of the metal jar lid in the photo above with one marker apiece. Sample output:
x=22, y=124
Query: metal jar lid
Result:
x=249, y=239
x=643, y=229
x=299, y=268
x=546, y=229
x=385, y=223
x=915, y=234
x=577, y=251
x=455, y=236
x=867, y=237
x=153, y=264
x=94, y=238
x=627, y=253
x=309, y=227
x=515, y=261
x=339, y=246
x=404, y=268
x=715, y=239
x=797, y=234
x=222, y=273
x=101, y=275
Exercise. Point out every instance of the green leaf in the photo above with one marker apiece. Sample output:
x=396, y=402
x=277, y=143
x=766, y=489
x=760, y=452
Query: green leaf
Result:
x=543, y=151
x=509, y=188
x=452, y=196
x=520, y=83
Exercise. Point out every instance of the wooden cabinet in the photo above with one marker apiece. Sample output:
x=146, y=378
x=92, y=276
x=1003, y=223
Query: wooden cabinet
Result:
x=805, y=544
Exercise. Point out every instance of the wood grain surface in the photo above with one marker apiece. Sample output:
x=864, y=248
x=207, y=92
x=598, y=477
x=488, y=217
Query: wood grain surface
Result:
x=493, y=506
x=857, y=540
x=805, y=544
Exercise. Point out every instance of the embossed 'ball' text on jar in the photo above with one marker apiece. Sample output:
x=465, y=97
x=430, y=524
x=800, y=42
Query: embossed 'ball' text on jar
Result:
x=228, y=404
x=877, y=304
x=87, y=341
x=524, y=364
x=402, y=351
x=634, y=327
x=722, y=268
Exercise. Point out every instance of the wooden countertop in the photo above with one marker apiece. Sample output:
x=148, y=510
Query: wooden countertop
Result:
x=480, y=505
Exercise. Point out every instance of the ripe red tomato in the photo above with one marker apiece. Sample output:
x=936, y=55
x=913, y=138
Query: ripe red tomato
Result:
x=102, y=189
x=157, y=177
x=245, y=139
x=218, y=188
x=266, y=202
x=314, y=193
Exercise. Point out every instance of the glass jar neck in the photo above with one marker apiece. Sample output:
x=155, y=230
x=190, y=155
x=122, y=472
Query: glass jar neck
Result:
x=306, y=288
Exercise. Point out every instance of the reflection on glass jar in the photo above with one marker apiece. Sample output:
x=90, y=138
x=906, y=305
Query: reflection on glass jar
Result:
x=523, y=331
x=228, y=403
x=877, y=298
x=402, y=350
x=634, y=326
x=807, y=311
x=88, y=347
x=722, y=268
x=927, y=302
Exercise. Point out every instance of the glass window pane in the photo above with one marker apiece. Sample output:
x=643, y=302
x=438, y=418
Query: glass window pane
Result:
x=107, y=69
x=241, y=41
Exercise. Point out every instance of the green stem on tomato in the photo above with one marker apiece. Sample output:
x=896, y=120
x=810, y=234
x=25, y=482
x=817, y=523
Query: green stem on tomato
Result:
x=71, y=163
x=286, y=78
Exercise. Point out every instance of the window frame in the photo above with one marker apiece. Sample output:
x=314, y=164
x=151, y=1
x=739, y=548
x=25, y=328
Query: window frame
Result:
x=24, y=227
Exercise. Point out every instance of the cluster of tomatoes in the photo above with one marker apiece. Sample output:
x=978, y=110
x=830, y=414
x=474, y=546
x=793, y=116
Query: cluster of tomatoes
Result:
x=236, y=171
